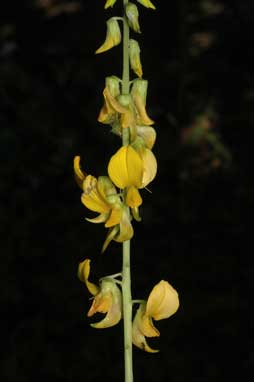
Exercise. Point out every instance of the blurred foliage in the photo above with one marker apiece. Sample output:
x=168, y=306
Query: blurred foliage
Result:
x=199, y=62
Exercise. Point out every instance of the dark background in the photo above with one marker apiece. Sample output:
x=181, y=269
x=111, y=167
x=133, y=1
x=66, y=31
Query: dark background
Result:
x=198, y=58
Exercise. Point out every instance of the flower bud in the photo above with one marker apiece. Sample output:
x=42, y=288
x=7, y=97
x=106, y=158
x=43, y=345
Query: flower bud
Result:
x=135, y=58
x=146, y=3
x=131, y=11
x=109, y=3
x=139, y=87
x=113, y=36
x=138, y=92
x=112, y=83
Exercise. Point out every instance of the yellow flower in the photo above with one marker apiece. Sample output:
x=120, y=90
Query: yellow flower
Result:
x=100, y=195
x=162, y=303
x=113, y=36
x=117, y=111
x=146, y=3
x=107, y=297
x=125, y=169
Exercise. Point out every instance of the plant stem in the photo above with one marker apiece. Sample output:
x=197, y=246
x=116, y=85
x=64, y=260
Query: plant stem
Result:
x=126, y=270
x=126, y=64
x=127, y=312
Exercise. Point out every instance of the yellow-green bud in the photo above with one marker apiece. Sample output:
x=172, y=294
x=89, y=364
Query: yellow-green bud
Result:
x=109, y=3
x=135, y=62
x=112, y=83
x=131, y=11
x=113, y=36
x=139, y=87
x=146, y=3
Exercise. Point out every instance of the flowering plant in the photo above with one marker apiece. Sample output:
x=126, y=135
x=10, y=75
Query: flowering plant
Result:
x=117, y=196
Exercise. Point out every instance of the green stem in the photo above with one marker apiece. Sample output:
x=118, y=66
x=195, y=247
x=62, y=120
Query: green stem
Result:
x=126, y=64
x=127, y=312
x=126, y=270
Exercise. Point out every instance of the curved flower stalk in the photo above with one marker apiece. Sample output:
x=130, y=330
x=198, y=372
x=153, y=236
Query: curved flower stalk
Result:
x=107, y=297
x=162, y=303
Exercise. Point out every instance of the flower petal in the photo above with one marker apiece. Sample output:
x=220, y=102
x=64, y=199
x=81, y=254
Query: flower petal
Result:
x=146, y=323
x=115, y=216
x=125, y=227
x=110, y=236
x=83, y=275
x=143, y=118
x=79, y=174
x=125, y=168
x=110, y=301
x=99, y=219
x=138, y=337
x=133, y=198
x=149, y=166
x=148, y=134
x=135, y=214
x=106, y=188
x=92, y=198
x=163, y=301
x=101, y=304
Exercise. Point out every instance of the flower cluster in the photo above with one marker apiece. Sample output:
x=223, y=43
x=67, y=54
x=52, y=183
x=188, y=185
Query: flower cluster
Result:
x=162, y=303
x=129, y=170
x=116, y=197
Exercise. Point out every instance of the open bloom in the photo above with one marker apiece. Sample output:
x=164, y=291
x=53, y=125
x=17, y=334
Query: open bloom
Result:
x=162, y=303
x=107, y=297
x=125, y=169
x=100, y=195
x=132, y=168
